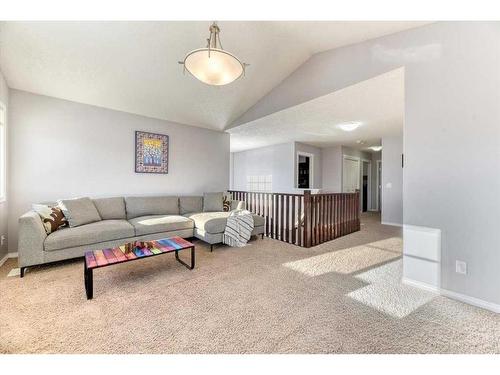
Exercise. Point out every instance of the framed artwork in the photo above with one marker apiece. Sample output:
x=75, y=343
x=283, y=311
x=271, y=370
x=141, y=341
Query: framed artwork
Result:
x=151, y=152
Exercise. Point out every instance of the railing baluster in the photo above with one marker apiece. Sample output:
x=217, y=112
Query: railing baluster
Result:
x=304, y=219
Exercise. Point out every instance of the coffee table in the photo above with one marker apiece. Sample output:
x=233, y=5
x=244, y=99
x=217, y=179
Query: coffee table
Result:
x=132, y=251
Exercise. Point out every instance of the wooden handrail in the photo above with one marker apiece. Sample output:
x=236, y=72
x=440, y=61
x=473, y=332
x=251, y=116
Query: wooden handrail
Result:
x=304, y=219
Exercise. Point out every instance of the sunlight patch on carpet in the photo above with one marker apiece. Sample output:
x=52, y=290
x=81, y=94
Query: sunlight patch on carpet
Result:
x=390, y=244
x=14, y=272
x=387, y=294
x=344, y=261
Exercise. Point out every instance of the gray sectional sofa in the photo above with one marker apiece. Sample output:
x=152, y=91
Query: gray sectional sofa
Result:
x=124, y=220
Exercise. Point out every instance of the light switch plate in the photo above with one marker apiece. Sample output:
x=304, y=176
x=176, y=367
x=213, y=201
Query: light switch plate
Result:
x=461, y=267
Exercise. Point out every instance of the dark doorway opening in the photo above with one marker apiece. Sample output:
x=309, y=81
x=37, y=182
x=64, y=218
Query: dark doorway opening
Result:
x=365, y=193
x=304, y=172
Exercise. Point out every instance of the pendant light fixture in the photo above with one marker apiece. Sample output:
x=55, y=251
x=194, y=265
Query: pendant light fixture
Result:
x=213, y=65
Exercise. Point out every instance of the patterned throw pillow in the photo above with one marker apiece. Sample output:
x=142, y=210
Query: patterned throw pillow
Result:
x=52, y=217
x=226, y=202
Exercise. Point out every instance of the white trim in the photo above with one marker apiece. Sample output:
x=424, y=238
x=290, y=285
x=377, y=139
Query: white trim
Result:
x=13, y=255
x=311, y=169
x=379, y=188
x=7, y=256
x=349, y=157
x=420, y=285
x=454, y=295
x=471, y=300
x=393, y=224
x=4, y=259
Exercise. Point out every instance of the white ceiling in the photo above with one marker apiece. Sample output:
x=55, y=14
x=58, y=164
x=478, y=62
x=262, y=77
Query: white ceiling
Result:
x=378, y=103
x=132, y=66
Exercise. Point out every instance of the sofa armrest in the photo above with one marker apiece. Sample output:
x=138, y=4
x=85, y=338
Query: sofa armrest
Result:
x=237, y=205
x=31, y=238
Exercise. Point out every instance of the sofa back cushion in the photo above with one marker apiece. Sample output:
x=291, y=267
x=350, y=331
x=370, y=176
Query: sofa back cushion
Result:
x=79, y=211
x=142, y=206
x=111, y=208
x=213, y=202
x=190, y=204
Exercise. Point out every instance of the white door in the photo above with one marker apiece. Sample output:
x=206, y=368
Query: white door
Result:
x=350, y=175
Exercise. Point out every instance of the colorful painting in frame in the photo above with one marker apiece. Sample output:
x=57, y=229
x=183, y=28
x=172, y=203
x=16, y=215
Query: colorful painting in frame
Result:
x=151, y=152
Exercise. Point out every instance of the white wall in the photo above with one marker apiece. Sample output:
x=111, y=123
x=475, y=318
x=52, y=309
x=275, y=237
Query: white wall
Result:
x=392, y=180
x=332, y=169
x=451, y=133
x=64, y=149
x=4, y=98
x=276, y=160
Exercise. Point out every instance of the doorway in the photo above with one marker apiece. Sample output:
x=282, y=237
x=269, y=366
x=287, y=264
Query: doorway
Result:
x=350, y=174
x=379, y=185
x=304, y=171
x=366, y=185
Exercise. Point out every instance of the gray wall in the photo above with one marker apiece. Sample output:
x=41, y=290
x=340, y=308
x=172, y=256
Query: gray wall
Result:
x=451, y=133
x=356, y=153
x=4, y=98
x=276, y=160
x=332, y=169
x=392, y=180
x=317, y=164
x=63, y=149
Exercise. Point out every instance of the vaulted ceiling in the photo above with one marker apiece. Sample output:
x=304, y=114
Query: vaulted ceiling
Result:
x=377, y=104
x=133, y=66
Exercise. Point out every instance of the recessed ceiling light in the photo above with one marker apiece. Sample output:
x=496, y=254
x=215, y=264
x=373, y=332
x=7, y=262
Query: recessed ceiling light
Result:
x=349, y=126
x=376, y=148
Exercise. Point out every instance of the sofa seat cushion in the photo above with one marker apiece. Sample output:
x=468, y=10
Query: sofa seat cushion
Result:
x=88, y=234
x=160, y=223
x=215, y=222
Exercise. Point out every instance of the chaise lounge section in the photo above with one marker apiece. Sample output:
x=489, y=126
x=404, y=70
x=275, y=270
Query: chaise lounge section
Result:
x=124, y=220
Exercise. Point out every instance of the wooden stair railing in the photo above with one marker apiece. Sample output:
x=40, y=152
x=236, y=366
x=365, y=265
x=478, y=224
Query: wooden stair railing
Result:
x=304, y=219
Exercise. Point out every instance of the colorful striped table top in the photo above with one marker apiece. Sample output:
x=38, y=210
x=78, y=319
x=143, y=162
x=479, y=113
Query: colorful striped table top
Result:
x=106, y=257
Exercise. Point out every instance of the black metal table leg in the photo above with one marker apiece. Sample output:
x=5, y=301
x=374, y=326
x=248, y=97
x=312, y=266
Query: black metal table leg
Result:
x=89, y=282
x=182, y=262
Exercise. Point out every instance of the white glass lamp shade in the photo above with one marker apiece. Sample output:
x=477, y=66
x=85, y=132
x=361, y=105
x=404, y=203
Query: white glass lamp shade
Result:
x=215, y=68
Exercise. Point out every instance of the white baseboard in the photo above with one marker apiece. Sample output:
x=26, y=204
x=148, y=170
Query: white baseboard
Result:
x=420, y=285
x=393, y=224
x=7, y=256
x=4, y=259
x=454, y=295
x=471, y=300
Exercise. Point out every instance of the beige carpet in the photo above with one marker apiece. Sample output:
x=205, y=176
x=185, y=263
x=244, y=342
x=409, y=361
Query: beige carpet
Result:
x=270, y=297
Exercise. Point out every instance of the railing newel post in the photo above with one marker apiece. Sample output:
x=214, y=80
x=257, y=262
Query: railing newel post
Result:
x=307, y=218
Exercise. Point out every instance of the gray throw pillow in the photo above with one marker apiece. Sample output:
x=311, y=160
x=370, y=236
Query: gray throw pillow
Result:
x=79, y=211
x=213, y=202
